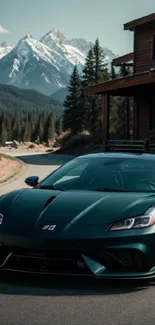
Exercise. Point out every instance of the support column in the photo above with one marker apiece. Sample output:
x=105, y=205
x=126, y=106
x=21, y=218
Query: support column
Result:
x=135, y=120
x=106, y=116
x=128, y=118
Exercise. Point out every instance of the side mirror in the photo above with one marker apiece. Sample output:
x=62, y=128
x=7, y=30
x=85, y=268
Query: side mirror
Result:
x=32, y=181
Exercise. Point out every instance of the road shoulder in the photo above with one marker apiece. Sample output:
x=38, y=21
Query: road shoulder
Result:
x=10, y=169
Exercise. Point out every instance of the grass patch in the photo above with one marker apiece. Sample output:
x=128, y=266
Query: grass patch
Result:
x=10, y=167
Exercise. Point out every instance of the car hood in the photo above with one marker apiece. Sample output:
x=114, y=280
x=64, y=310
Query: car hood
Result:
x=29, y=210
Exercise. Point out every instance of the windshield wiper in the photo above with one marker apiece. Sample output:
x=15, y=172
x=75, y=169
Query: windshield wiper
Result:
x=110, y=190
x=51, y=187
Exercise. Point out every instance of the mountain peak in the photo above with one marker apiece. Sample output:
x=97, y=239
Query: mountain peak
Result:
x=54, y=36
x=56, y=33
x=27, y=37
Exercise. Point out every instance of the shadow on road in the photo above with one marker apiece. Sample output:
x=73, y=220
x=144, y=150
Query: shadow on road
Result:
x=45, y=159
x=66, y=286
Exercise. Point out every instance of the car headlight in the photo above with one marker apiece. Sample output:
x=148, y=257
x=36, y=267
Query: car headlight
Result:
x=145, y=220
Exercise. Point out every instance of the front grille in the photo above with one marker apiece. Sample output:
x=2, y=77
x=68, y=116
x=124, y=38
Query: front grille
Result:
x=122, y=260
x=56, y=262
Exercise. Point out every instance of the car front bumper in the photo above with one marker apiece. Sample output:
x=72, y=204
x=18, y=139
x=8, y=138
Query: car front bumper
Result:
x=120, y=255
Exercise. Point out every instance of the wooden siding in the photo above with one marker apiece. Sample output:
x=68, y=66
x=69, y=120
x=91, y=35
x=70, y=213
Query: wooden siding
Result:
x=143, y=51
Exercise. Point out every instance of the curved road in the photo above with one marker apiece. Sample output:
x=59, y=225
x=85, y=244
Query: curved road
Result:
x=64, y=301
x=40, y=164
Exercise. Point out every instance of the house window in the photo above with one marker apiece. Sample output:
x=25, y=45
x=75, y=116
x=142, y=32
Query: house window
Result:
x=153, y=47
x=152, y=114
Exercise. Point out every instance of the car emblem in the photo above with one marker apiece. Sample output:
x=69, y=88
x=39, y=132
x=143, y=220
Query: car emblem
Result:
x=49, y=227
x=1, y=218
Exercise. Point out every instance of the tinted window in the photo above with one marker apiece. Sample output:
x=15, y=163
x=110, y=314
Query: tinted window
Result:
x=99, y=173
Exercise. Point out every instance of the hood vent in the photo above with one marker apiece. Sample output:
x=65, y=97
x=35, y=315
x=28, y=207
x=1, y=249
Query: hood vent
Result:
x=50, y=200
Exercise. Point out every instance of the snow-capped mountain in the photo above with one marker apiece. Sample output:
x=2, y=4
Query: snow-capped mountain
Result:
x=46, y=64
x=58, y=42
x=32, y=64
x=81, y=44
x=5, y=48
x=84, y=46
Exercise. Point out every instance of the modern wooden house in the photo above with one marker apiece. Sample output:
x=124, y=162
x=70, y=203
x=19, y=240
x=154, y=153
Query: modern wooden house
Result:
x=140, y=84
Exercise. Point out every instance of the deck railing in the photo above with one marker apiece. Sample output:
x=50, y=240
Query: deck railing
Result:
x=137, y=146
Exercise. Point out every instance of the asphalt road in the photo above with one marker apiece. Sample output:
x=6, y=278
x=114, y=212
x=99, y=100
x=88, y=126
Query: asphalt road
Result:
x=34, y=164
x=63, y=301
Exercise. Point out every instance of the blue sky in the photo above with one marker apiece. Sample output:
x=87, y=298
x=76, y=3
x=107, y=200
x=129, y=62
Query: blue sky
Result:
x=74, y=18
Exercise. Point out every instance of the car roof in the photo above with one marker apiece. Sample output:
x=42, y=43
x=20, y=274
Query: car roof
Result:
x=119, y=155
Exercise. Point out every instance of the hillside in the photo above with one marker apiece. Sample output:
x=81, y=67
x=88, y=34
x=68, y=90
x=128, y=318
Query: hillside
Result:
x=17, y=101
x=60, y=94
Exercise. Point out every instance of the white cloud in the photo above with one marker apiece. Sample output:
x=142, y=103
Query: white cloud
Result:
x=3, y=30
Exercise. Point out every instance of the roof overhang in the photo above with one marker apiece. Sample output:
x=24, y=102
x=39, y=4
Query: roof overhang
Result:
x=123, y=59
x=121, y=85
x=138, y=22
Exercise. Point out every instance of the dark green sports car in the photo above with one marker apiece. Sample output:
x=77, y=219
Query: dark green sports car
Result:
x=94, y=216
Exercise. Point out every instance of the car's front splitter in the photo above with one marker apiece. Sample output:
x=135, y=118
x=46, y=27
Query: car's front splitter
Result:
x=82, y=265
x=100, y=271
x=113, y=276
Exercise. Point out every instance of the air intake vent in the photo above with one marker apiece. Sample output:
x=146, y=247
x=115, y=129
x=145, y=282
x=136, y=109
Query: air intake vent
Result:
x=50, y=200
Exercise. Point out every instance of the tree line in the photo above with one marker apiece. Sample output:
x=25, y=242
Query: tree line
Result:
x=41, y=128
x=85, y=113
x=26, y=115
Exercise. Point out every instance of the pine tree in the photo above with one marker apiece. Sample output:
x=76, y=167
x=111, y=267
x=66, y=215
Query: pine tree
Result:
x=27, y=132
x=3, y=130
x=95, y=71
x=100, y=75
x=101, y=69
x=71, y=116
x=9, y=127
x=17, y=129
x=58, y=126
x=39, y=130
x=88, y=77
x=51, y=128
x=45, y=132
x=33, y=120
x=85, y=104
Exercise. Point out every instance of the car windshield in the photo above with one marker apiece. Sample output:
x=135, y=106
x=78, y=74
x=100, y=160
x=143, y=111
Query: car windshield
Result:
x=104, y=174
